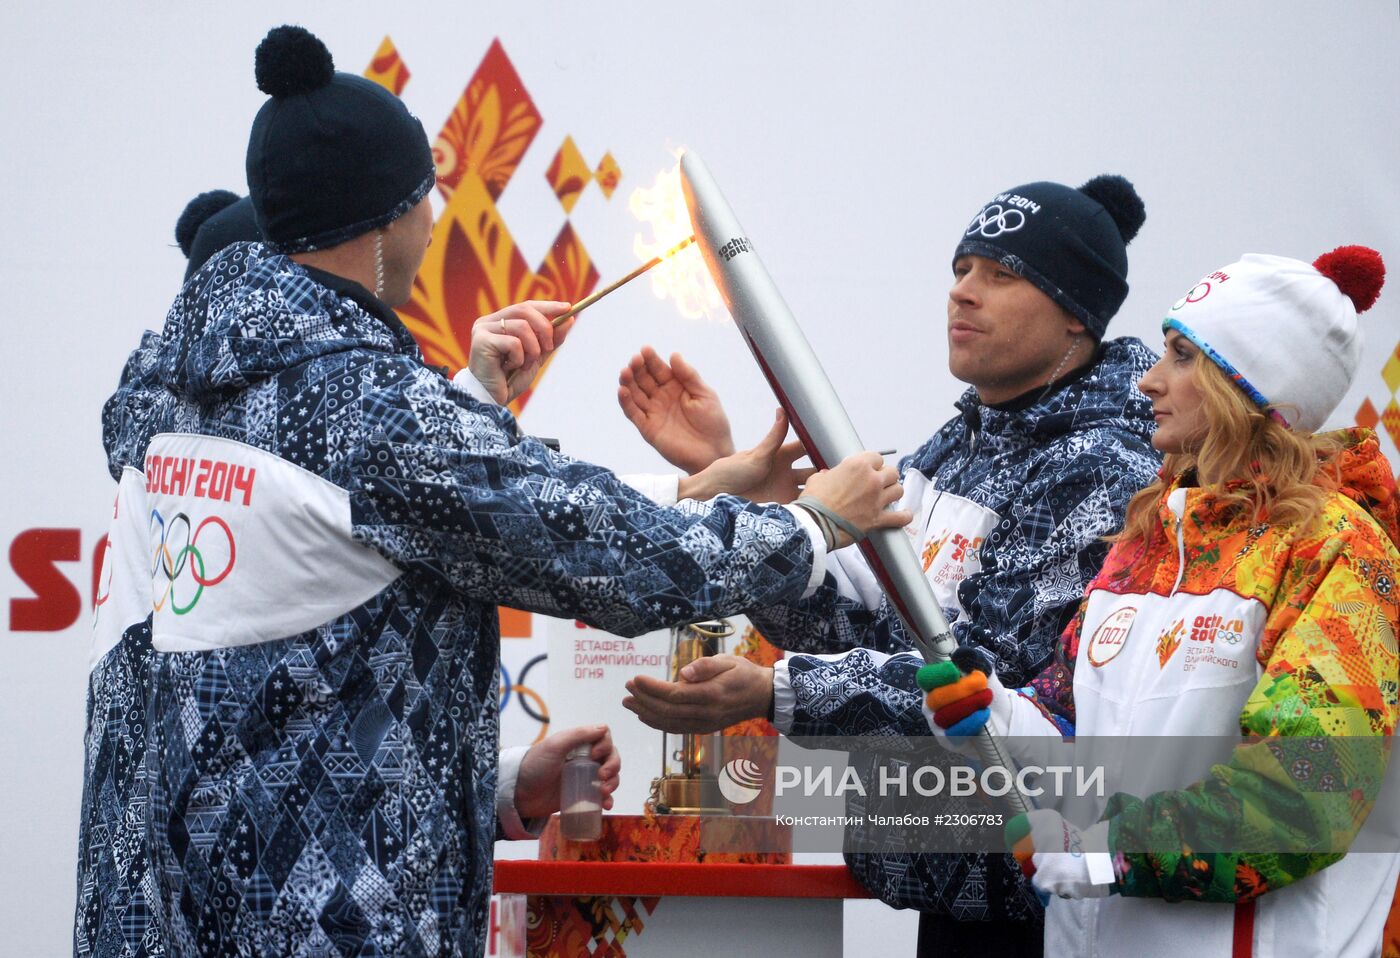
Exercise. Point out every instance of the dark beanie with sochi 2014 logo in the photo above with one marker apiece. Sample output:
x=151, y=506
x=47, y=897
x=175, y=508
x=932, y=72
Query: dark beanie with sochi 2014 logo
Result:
x=1071, y=244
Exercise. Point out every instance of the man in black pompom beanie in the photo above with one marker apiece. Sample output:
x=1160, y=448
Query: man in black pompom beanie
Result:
x=1071, y=244
x=331, y=155
x=234, y=223
x=334, y=525
x=1012, y=500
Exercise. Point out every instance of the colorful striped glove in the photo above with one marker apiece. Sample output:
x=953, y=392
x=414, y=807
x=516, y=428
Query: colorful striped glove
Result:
x=962, y=696
x=1058, y=858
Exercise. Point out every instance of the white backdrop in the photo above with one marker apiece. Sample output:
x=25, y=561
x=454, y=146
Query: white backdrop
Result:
x=854, y=145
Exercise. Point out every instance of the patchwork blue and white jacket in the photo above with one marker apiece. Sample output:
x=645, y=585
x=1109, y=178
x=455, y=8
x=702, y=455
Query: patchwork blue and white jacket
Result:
x=292, y=727
x=1010, y=506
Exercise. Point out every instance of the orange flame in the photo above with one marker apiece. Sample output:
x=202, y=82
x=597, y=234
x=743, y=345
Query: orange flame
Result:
x=681, y=277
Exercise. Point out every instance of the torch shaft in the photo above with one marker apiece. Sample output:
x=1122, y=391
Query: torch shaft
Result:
x=805, y=392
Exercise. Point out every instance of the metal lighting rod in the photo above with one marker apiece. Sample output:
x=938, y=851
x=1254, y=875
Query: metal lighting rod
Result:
x=815, y=411
x=592, y=298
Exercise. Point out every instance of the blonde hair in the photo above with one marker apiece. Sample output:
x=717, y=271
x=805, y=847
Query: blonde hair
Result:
x=1244, y=455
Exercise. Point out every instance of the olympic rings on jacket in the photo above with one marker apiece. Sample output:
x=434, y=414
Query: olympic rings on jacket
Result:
x=173, y=564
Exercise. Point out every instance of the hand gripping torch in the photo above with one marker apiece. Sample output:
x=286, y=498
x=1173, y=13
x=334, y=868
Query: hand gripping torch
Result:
x=812, y=406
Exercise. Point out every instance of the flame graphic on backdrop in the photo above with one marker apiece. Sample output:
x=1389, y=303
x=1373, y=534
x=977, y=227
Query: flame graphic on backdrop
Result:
x=681, y=277
x=1386, y=421
x=388, y=69
x=474, y=265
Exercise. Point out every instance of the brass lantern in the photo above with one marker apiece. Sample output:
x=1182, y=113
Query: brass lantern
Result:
x=690, y=762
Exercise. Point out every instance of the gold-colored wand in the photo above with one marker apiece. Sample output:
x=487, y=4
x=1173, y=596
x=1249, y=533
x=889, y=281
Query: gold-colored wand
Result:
x=592, y=298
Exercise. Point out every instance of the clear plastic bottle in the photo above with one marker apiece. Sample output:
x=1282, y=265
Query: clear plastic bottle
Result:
x=580, y=798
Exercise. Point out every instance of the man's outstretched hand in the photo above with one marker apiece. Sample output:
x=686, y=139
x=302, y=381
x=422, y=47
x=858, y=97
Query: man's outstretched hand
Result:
x=675, y=411
x=713, y=693
x=764, y=473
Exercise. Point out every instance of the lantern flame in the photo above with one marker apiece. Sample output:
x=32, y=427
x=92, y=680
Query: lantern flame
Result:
x=681, y=276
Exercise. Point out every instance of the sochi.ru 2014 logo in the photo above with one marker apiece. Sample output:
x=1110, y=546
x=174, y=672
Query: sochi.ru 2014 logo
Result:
x=740, y=781
x=178, y=553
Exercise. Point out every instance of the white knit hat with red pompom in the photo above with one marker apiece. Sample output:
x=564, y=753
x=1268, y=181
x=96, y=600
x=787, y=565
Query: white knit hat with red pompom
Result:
x=1285, y=331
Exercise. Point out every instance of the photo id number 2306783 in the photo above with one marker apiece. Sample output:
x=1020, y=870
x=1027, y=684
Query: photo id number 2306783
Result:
x=967, y=819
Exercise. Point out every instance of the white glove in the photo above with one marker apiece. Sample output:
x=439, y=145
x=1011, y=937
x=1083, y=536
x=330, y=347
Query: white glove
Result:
x=1060, y=859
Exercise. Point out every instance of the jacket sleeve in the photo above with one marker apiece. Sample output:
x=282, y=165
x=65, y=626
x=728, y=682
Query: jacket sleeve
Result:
x=442, y=486
x=1324, y=707
x=831, y=620
x=1053, y=689
x=1036, y=565
x=128, y=413
x=861, y=692
x=848, y=610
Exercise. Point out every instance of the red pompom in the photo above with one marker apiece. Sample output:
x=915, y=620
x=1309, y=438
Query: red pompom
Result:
x=1358, y=271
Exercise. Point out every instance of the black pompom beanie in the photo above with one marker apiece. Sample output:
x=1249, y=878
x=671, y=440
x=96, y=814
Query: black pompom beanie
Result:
x=1070, y=243
x=331, y=155
x=212, y=221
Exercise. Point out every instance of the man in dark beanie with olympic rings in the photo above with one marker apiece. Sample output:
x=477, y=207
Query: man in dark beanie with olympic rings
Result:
x=1012, y=500
x=315, y=529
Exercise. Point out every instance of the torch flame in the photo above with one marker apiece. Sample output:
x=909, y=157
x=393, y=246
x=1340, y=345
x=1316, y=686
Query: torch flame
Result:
x=681, y=276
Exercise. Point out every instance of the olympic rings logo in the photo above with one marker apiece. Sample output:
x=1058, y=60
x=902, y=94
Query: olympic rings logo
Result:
x=993, y=220
x=531, y=702
x=187, y=557
x=1198, y=292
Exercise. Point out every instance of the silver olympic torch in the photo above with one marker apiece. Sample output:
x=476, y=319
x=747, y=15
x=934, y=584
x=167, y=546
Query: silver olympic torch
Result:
x=815, y=411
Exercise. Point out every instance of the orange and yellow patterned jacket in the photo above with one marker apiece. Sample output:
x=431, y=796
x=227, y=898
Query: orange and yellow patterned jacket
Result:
x=1220, y=626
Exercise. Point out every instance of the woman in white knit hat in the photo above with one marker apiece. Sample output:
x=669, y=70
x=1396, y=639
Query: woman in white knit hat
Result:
x=1252, y=592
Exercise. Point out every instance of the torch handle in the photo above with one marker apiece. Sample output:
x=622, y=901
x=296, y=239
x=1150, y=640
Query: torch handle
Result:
x=993, y=755
x=827, y=434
